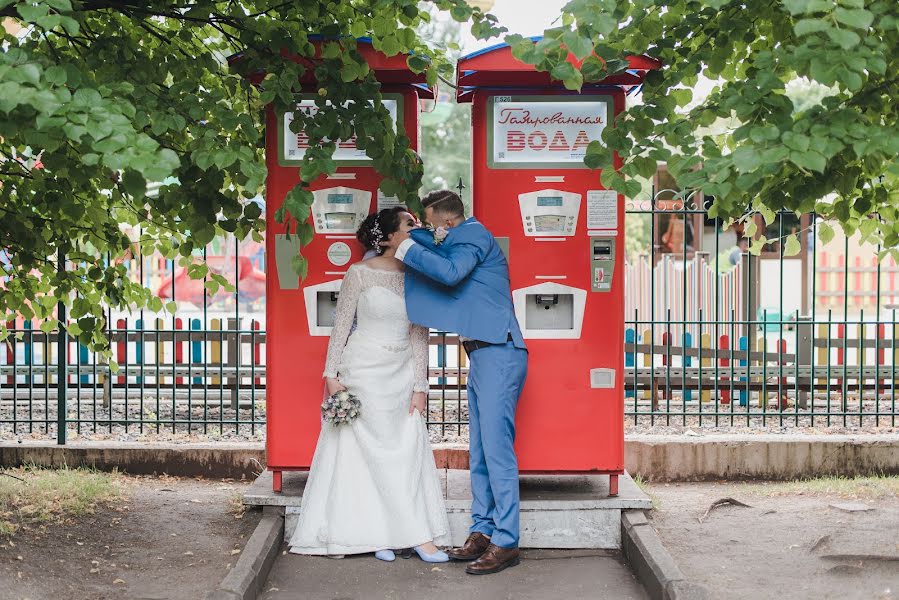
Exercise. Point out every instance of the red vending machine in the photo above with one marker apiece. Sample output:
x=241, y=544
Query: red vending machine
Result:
x=563, y=235
x=300, y=314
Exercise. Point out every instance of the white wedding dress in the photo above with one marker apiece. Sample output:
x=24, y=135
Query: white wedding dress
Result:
x=373, y=484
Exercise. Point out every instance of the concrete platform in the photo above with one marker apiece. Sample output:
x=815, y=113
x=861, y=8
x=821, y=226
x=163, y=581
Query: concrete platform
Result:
x=557, y=511
x=568, y=574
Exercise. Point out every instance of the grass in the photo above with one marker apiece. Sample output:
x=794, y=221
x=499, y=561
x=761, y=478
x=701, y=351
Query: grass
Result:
x=38, y=496
x=876, y=486
x=644, y=486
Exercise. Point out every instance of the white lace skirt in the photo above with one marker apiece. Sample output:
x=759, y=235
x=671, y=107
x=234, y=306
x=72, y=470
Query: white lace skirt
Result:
x=373, y=484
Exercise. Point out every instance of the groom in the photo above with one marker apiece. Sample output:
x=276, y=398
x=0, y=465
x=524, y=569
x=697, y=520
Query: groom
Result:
x=457, y=279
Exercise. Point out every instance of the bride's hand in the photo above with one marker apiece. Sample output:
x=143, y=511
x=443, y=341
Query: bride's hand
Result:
x=419, y=403
x=334, y=385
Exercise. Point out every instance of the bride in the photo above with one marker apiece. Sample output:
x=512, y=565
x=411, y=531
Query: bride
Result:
x=373, y=484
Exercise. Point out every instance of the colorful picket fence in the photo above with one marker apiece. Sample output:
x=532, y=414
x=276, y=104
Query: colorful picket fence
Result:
x=818, y=373
x=689, y=295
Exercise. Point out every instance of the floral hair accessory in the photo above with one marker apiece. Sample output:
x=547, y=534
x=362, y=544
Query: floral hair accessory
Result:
x=377, y=236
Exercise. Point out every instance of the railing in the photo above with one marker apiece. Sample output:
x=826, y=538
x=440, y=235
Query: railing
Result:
x=173, y=382
x=197, y=381
x=717, y=337
x=818, y=374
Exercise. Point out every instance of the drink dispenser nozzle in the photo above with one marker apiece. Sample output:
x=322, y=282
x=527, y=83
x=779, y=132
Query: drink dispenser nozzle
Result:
x=547, y=300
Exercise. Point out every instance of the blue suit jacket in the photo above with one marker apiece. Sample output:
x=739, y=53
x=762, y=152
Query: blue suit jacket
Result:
x=461, y=285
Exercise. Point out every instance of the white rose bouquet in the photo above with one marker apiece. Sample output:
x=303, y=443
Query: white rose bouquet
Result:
x=341, y=408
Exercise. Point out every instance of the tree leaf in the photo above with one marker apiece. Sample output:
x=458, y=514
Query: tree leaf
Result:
x=845, y=38
x=746, y=159
x=825, y=232
x=306, y=232
x=858, y=18
x=792, y=247
x=579, y=45
x=809, y=160
x=807, y=26
x=300, y=266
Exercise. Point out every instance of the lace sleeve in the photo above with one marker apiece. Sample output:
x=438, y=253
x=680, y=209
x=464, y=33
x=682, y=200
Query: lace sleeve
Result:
x=343, y=320
x=420, y=358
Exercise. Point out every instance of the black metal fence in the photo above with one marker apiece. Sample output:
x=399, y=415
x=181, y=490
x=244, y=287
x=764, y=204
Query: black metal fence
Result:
x=715, y=337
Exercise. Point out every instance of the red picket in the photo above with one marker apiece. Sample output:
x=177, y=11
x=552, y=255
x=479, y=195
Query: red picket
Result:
x=724, y=344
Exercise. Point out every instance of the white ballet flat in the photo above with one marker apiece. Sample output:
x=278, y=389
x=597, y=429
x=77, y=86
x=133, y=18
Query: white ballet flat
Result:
x=385, y=555
x=437, y=557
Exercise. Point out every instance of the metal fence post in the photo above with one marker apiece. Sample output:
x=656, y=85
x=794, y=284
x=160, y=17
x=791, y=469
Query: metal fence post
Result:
x=804, y=358
x=62, y=360
x=232, y=349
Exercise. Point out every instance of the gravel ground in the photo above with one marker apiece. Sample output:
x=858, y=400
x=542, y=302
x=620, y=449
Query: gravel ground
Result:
x=137, y=422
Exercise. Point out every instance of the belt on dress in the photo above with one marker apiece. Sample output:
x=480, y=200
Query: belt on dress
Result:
x=472, y=345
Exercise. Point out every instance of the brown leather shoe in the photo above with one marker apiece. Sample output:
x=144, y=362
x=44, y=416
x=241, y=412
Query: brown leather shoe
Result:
x=494, y=560
x=472, y=549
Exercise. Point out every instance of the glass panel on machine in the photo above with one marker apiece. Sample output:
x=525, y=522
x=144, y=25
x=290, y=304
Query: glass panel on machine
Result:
x=340, y=220
x=340, y=198
x=549, y=201
x=544, y=223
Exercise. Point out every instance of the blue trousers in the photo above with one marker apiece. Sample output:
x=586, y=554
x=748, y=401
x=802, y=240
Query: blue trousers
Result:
x=495, y=379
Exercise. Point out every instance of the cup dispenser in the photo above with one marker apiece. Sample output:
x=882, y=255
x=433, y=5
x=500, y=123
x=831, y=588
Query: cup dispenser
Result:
x=550, y=311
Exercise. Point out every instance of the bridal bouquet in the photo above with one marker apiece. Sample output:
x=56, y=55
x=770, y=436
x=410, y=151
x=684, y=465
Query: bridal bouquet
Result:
x=340, y=408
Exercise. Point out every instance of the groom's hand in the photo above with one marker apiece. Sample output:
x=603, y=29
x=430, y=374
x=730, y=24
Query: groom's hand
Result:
x=396, y=238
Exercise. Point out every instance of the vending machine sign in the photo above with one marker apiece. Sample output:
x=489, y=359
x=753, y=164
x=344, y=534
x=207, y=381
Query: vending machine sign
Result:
x=292, y=145
x=544, y=131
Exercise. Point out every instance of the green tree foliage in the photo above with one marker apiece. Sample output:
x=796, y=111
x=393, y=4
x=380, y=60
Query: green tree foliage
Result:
x=98, y=98
x=835, y=157
x=446, y=131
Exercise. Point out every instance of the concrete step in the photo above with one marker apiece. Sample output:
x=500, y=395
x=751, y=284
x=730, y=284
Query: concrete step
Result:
x=557, y=511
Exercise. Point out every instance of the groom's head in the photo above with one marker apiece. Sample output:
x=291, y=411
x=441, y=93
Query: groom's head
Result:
x=443, y=208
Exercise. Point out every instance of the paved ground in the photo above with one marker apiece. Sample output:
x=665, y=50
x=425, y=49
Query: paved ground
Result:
x=568, y=574
x=790, y=542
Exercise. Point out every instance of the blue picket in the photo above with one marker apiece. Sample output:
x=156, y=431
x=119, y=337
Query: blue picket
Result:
x=139, y=348
x=196, y=349
x=744, y=347
x=688, y=362
x=630, y=337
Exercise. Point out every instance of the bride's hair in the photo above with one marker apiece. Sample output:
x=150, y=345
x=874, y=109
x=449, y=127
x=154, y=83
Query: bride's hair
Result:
x=378, y=226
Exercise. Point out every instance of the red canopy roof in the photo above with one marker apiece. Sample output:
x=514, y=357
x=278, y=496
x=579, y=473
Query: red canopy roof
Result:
x=495, y=67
